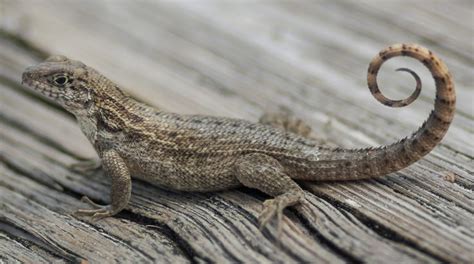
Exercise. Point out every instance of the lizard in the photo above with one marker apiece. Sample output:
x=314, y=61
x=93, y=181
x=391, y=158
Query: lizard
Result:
x=200, y=153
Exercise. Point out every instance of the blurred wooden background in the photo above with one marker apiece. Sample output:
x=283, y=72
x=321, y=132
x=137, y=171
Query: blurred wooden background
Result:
x=238, y=59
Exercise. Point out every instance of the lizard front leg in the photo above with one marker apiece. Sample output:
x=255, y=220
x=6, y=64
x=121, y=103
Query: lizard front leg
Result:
x=266, y=174
x=117, y=170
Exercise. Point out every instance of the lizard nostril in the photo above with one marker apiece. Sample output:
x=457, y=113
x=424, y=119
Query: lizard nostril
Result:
x=28, y=74
x=25, y=76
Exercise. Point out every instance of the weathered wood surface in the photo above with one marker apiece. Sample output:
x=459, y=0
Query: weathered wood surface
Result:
x=238, y=59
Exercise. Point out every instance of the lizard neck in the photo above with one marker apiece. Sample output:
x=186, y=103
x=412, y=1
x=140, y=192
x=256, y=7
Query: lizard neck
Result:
x=88, y=125
x=109, y=113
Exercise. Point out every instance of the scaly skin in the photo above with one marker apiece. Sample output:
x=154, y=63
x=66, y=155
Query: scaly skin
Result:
x=204, y=153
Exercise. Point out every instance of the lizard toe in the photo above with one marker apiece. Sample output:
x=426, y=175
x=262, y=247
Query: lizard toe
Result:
x=86, y=166
x=275, y=207
x=95, y=214
x=99, y=211
x=87, y=200
x=271, y=207
x=88, y=212
x=101, y=215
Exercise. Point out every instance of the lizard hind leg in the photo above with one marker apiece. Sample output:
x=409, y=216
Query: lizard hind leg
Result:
x=266, y=174
x=285, y=120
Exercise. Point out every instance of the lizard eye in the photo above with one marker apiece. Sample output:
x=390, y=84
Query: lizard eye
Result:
x=60, y=80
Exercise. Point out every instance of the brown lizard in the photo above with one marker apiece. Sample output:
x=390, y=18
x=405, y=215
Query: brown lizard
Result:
x=205, y=153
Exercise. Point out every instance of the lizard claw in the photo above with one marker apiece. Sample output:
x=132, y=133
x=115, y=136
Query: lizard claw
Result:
x=99, y=211
x=85, y=166
x=86, y=199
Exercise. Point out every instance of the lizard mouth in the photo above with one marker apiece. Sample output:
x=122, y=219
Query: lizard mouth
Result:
x=40, y=87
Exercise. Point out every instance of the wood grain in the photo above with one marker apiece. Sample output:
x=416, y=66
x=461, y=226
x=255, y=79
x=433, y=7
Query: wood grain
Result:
x=238, y=59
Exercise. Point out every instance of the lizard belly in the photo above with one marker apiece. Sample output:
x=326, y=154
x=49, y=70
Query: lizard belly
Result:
x=181, y=177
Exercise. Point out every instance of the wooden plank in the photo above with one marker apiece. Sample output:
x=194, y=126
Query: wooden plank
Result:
x=210, y=57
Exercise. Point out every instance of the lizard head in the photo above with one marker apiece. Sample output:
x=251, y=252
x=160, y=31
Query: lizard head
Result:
x=68, y=82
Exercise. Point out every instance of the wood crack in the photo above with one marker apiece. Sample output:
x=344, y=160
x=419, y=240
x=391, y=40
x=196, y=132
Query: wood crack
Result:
x=27, y=240
x=346, y=255
x=182, y=244
x=379, y=228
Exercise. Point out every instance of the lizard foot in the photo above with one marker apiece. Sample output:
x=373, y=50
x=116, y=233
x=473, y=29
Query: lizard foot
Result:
x=265, y=173
x=272, y=207
x=86, y=166
x=99, y=211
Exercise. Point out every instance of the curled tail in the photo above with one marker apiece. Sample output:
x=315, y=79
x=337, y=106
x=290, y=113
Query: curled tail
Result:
x=342, y=164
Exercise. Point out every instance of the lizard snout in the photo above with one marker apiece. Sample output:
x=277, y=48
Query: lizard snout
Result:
x=27, y=75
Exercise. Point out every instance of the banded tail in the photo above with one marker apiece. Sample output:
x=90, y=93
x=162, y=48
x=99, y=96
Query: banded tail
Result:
x=341, y=164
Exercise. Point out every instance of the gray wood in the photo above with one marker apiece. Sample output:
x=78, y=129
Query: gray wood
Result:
x=13, y=249
x=238, y=59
